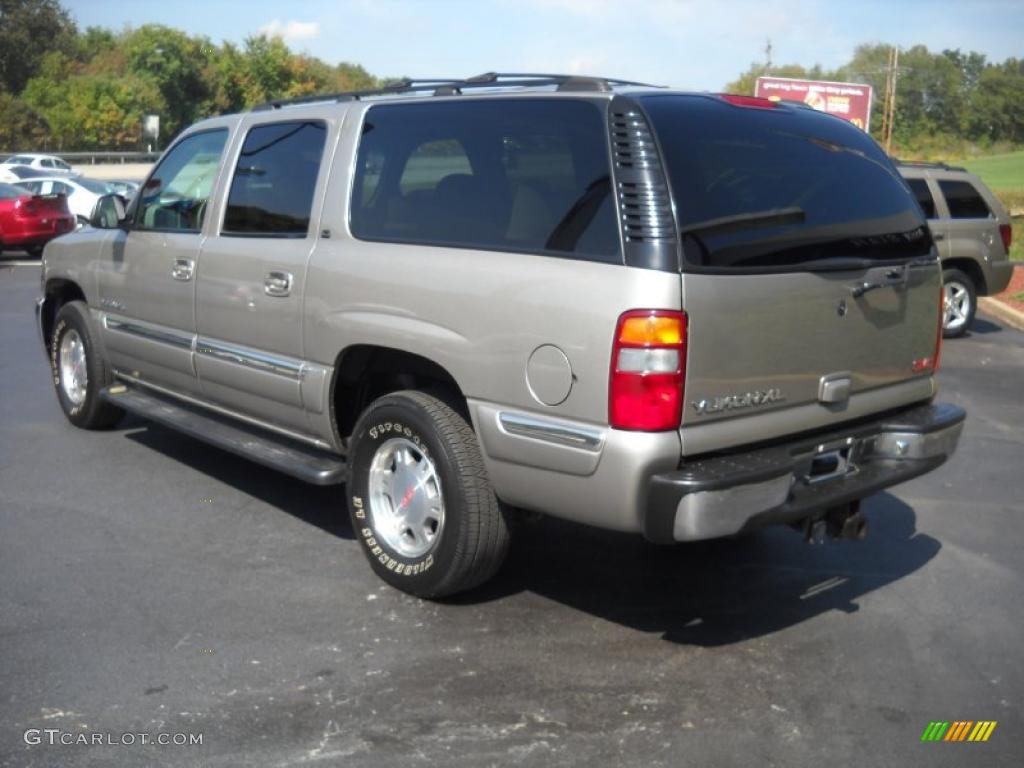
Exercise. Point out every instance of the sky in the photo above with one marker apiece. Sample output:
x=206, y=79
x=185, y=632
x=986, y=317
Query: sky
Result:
x=699, y=45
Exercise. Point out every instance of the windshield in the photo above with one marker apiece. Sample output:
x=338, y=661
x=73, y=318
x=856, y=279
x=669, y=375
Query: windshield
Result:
x=780, y=188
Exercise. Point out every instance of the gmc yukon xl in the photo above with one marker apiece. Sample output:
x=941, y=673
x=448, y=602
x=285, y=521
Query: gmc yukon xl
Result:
x=683, y=315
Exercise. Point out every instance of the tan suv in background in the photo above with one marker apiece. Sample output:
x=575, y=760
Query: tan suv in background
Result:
x=972, y=230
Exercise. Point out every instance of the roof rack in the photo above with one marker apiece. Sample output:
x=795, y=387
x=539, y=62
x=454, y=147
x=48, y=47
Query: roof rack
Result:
x=455, y=86
x=923, y=164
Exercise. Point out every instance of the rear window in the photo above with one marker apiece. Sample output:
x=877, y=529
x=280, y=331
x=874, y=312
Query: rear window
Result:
x=10, y=192
x=923, y=195
x=96, y=187
x=781, y=188
x=524, y=175
x=963, y=200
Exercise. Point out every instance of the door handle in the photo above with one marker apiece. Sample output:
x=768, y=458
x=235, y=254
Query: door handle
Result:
x=182, y=269
x=894, y=278
x=278, y=283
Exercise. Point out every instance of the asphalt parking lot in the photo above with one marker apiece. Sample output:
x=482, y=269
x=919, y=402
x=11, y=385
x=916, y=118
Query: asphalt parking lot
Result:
x=149, y=583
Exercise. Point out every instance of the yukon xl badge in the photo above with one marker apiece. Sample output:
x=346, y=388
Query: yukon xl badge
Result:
x=736, y=402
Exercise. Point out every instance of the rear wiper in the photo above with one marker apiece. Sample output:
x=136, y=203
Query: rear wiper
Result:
x=769, y=218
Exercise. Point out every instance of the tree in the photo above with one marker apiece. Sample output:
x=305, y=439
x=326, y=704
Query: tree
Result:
x=175, y=63
x=21, y=127
x=746, y=83
x=29, y=29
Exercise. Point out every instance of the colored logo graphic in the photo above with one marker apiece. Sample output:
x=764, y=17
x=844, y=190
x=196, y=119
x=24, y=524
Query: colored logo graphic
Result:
x=959, y=730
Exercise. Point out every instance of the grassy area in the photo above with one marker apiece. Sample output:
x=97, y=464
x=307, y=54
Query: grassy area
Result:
x=1001, y=172
x=1017, y=248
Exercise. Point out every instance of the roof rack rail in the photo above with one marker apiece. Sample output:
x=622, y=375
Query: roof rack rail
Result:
x=925, y=164
x=455, y=86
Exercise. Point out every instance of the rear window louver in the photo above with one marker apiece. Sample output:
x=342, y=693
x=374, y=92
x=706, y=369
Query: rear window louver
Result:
x=641, y=191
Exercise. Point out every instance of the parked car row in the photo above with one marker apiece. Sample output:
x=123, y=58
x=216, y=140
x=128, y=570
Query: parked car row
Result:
x=39, y=206
x=47, y=164
x=29, y=220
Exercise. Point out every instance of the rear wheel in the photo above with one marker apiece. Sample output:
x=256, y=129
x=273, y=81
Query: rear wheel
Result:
x=35, y=251
x=960, y=300
x=79, y=370
x=419, y=497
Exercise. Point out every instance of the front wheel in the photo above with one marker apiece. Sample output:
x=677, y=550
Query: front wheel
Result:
x=419, y=497
x=79, y=370
x=959, y=302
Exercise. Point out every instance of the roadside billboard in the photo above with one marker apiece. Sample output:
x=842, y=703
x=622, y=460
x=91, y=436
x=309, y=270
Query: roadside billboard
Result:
x=850, y=101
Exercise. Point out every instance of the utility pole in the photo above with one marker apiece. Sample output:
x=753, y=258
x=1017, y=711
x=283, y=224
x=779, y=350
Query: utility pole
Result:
x=889, y=105
x=768, y=56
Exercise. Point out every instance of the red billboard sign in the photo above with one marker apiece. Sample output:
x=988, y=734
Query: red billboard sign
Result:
x=850, y=101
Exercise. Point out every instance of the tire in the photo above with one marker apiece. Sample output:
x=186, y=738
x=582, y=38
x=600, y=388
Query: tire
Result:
x=960, y=303
x=80, y=221
x=35, y=251
x=451, y=533
x=73, y=341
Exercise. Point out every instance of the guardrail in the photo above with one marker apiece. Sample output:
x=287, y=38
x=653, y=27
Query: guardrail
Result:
x=93, y=158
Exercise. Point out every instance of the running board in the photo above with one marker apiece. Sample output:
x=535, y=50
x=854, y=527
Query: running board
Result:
x=275, y=451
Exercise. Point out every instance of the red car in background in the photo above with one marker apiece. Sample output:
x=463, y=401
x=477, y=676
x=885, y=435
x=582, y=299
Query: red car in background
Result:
x=30, y=221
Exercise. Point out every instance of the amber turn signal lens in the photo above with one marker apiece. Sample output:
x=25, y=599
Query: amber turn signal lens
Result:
x=652, y=330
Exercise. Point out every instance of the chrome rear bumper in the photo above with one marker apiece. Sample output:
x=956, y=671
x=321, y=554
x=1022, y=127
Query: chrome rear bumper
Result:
x=724, y=495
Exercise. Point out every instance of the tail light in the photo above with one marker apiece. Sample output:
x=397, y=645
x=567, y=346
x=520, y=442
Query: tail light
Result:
x=1006, y=232
x=648, y=370
x=25, y=206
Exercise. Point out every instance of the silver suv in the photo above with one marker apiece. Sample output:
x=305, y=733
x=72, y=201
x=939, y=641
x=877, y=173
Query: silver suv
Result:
x=681, y=315
x=971, y=229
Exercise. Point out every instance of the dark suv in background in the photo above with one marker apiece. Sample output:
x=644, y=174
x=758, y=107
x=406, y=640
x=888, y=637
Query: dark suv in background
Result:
x=972, y=230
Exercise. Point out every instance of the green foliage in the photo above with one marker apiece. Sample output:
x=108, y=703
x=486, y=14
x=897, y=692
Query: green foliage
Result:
x=1004, y=171
x=948, y=104
x=29, y=29
x=20, y=125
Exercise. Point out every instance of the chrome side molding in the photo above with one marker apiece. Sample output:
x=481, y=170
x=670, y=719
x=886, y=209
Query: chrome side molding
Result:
x=558, y=432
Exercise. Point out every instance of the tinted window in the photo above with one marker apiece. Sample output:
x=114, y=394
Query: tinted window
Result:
x=47, y=163
x=924, y=196
x=10, y=191
x=963, y=200
x=274, y=181
x=175, y=196
x=777, y=188
x=96, y=187
x=526, y=175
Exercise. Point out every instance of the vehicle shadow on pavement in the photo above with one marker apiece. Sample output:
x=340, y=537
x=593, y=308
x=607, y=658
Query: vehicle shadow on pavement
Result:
x=711, y=593
x=983, y=327
x=321, y=506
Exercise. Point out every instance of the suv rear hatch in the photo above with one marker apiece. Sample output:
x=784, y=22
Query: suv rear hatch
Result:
x=808, y=272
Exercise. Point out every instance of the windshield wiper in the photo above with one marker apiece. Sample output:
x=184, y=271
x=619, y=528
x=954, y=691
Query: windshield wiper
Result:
x=769, y=218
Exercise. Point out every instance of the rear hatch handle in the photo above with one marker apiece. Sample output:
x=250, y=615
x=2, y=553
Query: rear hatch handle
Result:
x=894, y=278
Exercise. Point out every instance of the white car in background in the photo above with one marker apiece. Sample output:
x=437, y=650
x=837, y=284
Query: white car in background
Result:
x=82, y=193
x=49, y=164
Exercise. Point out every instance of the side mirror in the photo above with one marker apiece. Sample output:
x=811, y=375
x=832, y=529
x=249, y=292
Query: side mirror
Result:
x=109, y=212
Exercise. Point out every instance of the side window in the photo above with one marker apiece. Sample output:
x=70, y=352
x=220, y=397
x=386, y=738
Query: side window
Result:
x=175, y=196
x=963, y=200
x=924, y=196
x=530, y=175
x=62, y=165
x=47, y=162
x=430, y=162
x=272, y=189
